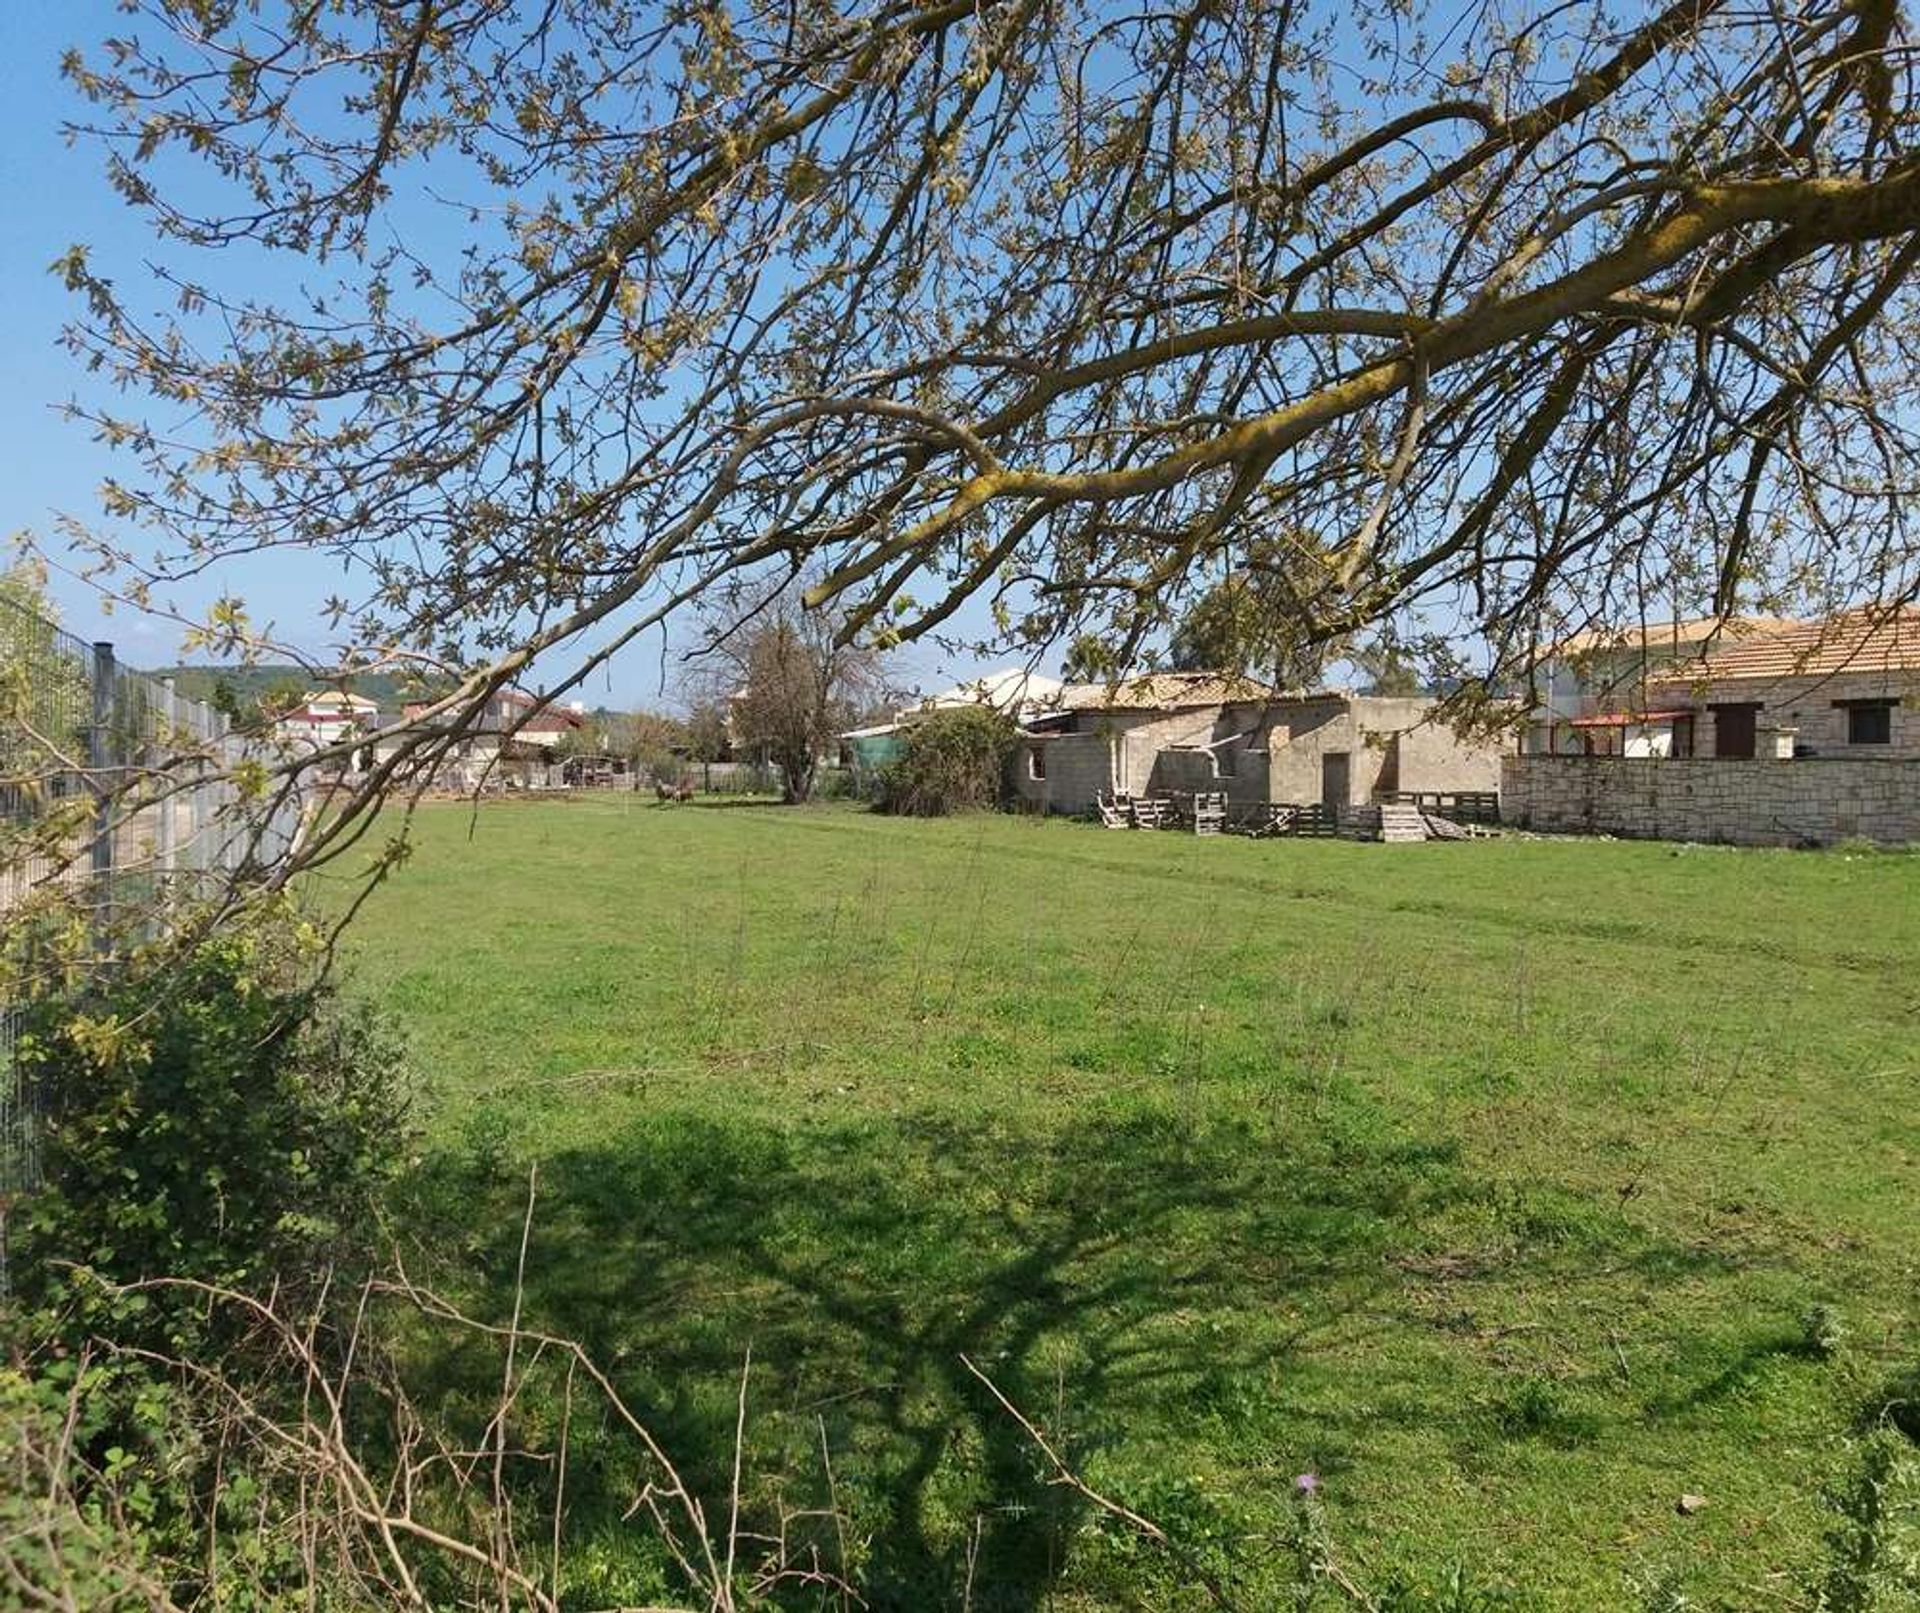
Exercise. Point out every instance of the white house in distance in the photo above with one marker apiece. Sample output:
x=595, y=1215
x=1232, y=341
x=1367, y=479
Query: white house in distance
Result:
x=509, y=743
x=325, y=717
x=1015, y=690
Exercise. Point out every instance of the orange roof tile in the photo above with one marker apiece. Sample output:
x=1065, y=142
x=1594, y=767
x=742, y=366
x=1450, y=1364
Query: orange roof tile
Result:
x=1870, y=639
x=1685, y=634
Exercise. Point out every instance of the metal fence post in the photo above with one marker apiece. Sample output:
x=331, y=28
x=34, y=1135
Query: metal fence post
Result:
x=100, y=759
x=230, y=845
x=166, y=846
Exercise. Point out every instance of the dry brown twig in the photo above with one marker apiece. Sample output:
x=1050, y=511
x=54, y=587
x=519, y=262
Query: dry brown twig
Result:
x=380, y=1502
x=1064, y=1474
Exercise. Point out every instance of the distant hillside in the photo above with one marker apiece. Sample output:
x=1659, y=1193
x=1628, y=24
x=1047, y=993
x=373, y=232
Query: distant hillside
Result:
x=250, y=683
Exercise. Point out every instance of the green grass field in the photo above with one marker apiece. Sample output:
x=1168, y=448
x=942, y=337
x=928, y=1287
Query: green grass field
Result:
x=1492, y=1184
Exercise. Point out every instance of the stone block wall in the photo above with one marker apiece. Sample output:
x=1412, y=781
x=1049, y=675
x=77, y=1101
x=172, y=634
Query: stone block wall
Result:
x=1244, y=784
x=1391, y=743
x=1078, y=767
x=1431, y=756
x=1810, y=801
x=1141, y=737
x=1301, y=733
x=1814, y=707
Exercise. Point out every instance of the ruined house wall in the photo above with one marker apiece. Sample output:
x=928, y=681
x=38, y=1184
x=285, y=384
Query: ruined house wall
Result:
x=1078, y=767
x=1233, y=771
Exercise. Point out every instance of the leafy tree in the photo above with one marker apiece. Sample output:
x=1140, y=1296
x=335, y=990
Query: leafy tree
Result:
x=793, y=685
x=1389, y=668
x=281, y=696
x=646, y=739
x=951, y=761
x=1243, y=625
x=225, y=699
x=706, y=726
x=1055, y=303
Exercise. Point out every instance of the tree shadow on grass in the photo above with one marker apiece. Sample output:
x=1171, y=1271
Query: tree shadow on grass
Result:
x=1121, y=1278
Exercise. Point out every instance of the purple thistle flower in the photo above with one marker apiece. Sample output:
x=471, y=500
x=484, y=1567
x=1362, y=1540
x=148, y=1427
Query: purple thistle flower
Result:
x=1307, y=1483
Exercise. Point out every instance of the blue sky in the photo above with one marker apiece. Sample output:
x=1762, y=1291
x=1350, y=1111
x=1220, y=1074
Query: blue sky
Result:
x=55, y=195
x=52, y=196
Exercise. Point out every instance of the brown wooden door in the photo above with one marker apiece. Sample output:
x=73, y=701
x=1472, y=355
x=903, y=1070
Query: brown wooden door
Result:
x=1733, y=730
x=1336, y=780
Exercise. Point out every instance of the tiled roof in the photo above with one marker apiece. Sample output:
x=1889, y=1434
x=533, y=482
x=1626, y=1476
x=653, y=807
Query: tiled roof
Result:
x=1866, y=640
x=1688, y=633
x=509, y=708
x=1161, y=691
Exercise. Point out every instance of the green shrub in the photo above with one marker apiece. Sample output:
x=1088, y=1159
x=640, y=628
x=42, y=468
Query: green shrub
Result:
x=212, y=1114
x=950, y=761
x=1873, y=1542
x=215, y=1116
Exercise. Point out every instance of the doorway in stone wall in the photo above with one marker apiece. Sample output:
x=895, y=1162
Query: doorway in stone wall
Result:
x=1336, y=780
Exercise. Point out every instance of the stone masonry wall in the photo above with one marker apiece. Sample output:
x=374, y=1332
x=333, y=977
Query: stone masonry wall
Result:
x=1815, y=708
x=1810, y=801
x=1195, y=770
x=1392, y=743
x=1433, y=757
x=1140, y=737
x=1078, y=767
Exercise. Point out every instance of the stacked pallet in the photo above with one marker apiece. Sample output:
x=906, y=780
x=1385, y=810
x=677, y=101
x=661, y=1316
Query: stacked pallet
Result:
x=1400, y=823
x=1359, y=823
x=1397, y=823
x=1314, y=820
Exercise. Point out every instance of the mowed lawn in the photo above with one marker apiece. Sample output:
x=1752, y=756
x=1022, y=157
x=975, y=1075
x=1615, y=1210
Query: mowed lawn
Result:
x=1491, y=1184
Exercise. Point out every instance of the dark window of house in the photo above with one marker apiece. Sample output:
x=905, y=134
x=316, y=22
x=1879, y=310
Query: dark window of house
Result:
x=1223, y=761
x=1682, y=736
x=1036, y=761
x=1733, y=730
x=1869, y=722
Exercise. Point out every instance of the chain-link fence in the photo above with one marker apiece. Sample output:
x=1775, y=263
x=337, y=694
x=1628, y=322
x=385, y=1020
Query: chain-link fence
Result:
x=118, y=791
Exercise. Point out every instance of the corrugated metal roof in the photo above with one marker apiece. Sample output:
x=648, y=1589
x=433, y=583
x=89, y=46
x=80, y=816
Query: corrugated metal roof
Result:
x=1857, y=641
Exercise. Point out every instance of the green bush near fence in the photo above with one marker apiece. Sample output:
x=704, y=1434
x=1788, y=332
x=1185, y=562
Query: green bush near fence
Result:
x=950, y=761
x=212, y=1114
